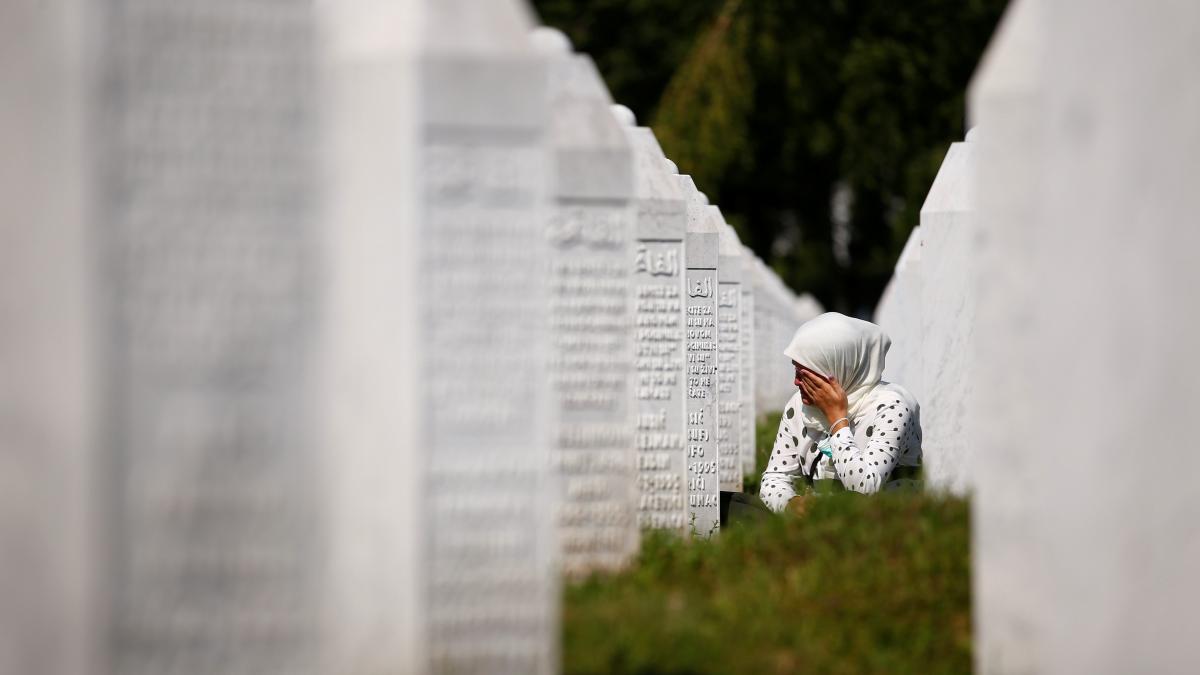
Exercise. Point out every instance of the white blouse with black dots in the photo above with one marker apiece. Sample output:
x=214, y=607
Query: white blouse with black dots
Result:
x=884, y=436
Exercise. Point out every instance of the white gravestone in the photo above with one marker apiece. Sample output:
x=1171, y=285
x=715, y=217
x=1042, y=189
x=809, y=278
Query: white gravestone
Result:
x=778, y=314
x=660, y=312
x=805, y=307
x=491, y=567
x=947, y=320
x=730, y=423
x=590, y=232
x=899, y=314
x=373, y=359
x=1007, y=570
x=437, y=317
x=206, y=230
x=49, y=403
x=764, y=328
x=768, y=359
x=702, y=424
x=1086, y=534
x=782, y=375
x=748, y=364
x=159, y=242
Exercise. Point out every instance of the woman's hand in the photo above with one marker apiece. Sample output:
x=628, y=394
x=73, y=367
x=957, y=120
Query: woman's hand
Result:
x=827, y=395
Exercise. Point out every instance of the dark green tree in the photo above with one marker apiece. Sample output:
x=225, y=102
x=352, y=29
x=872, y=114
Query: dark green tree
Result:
x=817, y=126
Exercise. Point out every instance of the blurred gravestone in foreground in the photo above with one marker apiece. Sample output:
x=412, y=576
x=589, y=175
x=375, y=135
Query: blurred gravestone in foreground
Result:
x=159, y=193
x=1085, y=540
x=274, y=314
x=590, y=233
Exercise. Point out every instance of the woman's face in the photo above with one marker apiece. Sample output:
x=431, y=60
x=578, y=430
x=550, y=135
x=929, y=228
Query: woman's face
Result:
x=798, y=382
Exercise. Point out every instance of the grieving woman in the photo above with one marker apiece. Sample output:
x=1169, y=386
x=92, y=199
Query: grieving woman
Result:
x=844, y=426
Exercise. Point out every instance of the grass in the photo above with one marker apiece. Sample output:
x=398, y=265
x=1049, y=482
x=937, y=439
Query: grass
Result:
x=858, y=585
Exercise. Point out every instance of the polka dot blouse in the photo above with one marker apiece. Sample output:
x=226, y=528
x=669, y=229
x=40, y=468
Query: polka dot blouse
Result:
x=865, y=455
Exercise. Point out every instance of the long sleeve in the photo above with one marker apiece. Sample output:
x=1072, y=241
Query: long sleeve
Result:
x=792, y=444
x=867, y=469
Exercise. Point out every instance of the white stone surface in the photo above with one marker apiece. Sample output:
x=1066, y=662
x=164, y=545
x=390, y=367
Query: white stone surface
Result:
x=733, y=408
x=702, y=376
x=899, y=314
x=625, y=116
x=660, y=324
x=947, y=322
x=48, y=391
x=748, y=365
x=491, y=568
x=1008, y=558
x=591, y=236
x=163, y=506
x=807, y=307
x=778, y=313
x=1085, y=516
x=372, y=359
x=928, y=311
x=438, y=322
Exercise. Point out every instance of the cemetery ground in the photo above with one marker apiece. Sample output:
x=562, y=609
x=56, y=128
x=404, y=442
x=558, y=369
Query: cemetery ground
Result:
x=857, y=585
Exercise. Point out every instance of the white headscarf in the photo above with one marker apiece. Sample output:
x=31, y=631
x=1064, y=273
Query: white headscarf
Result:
x=849, y=349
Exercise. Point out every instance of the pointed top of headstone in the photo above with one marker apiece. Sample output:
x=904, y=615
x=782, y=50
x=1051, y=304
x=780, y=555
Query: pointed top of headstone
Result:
x=689, y=188
x=624, y=115
x=593, y=158
x=807, y=307
x=910, y=255
x=473, y=26
x=951, y=189
x=1013, y=60
x=728, y=242
x=700, y=215
x=547, y=40
x=655, y=182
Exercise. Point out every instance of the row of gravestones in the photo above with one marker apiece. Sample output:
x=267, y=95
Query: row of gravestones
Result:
x=1043, y=315
x=335, y=332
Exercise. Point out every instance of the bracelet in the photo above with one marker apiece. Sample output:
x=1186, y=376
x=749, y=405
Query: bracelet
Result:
x=843, y=419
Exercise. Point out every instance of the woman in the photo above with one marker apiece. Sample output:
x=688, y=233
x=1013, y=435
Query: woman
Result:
x=844, y=424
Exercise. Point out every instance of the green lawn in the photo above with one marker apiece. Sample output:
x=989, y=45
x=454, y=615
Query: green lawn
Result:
x=858, y=585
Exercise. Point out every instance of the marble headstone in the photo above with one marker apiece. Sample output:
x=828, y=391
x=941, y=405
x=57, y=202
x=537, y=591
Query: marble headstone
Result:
x=777, y=320
x=947, y=321
x=437, y=317
x=899, y=314
x=702, y=346
x=763, y=332
x=730, y=424
x=492, y=561
x=660, y=319
x=157, y=421
x=1084, y=520
x=591, y=237
x=748, y=365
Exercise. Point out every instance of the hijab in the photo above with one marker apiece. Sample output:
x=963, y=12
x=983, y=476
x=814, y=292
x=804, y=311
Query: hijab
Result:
x=852, y=350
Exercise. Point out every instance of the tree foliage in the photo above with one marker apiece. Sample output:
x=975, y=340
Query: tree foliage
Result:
x=775, y=106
